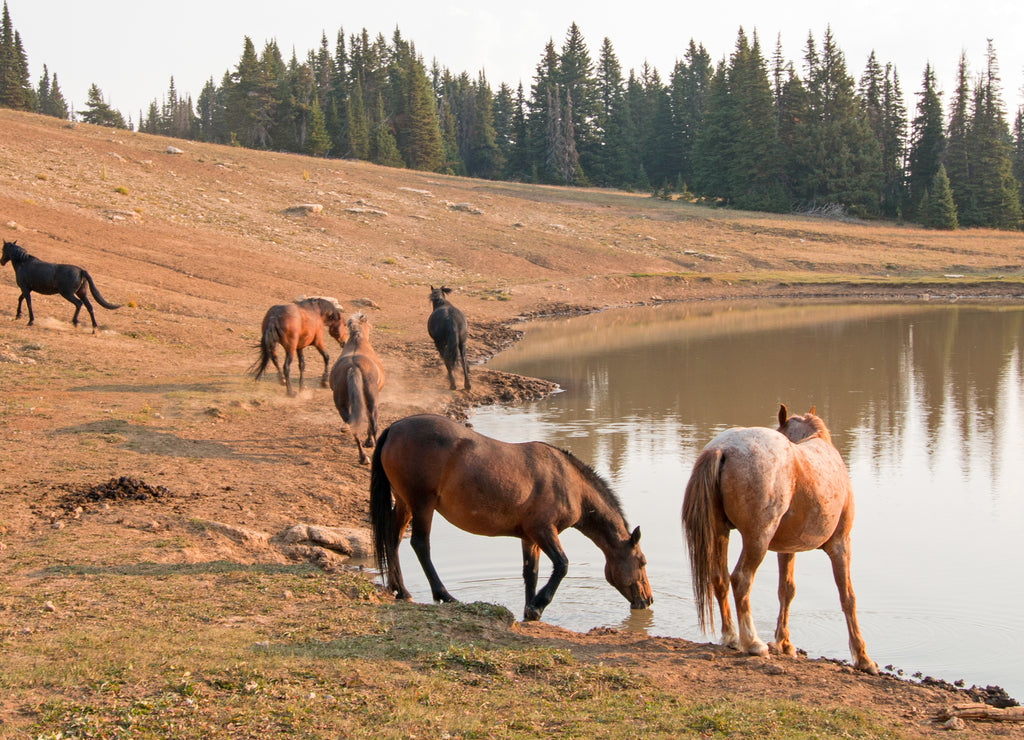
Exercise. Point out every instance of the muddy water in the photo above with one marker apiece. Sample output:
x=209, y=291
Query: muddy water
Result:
x=925, y=402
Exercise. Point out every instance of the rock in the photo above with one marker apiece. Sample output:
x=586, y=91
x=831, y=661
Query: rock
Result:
x=48, y=606
x=465, y=208
x=173, y=150
x=239, y=534
x=303, y=208
x=361, y=211
x=344, y=540
x=955, y=724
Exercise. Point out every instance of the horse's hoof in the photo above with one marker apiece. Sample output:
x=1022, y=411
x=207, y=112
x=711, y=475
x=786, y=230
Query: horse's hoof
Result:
x=758, y=648
x=530, y=614
x=868, y=666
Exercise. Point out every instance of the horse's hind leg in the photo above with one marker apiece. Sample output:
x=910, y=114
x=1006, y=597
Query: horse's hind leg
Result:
x=787, y=589
x=288, y=354
x=28, y=304
x=838, y=550
x=465, y=369
x=720, y=584
x=84, y=298
x=420, y=541
x=751, y=555
x=302, y=368
x=396, y=584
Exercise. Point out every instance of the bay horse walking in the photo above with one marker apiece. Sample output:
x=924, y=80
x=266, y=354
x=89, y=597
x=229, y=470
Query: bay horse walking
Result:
x=447, y=327
x=356, y=380
x=295, y=326
x=48, y=278
x=785, y=490
x=532, y=491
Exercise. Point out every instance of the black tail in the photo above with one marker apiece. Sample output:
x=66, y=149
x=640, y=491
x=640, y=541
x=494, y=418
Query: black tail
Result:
x=382, y=512
x=96, y=293
x=266, y=348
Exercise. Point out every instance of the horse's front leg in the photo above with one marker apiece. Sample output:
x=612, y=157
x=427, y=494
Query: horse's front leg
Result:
x=324, y=379
x=531, y=567
x=838, y=550
x=560, y=566
x=787, y=590
x=420, y=541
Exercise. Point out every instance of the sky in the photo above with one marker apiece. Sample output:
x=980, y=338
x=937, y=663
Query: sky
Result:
x=132, y=50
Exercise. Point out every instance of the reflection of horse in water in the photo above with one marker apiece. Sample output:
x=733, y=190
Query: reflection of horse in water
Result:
x=532, y=491
x=356, y=379
x=48, y=278
x=785, y=490
x=296, y=326
x=447, y=327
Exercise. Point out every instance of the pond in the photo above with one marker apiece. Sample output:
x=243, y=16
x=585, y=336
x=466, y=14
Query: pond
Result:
x=925, y=402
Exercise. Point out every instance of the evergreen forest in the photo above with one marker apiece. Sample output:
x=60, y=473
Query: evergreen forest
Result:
x=752, y=130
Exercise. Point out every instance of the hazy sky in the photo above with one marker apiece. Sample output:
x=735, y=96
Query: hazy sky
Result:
x=131, y=50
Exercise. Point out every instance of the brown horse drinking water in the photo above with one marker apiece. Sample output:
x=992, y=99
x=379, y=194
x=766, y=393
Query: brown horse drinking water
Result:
x=356, y=379
x=296, y=326
x=532, y=491
x=785, y=490
x=70, y=281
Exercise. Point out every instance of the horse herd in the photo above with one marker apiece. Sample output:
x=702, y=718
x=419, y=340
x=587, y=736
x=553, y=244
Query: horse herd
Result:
x=786, y=489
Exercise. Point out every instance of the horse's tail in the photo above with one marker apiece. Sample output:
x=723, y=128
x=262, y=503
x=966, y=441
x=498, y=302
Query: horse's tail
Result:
x=271, y=336
x=356, y=399
x=96, y=293
x=703, y=497
x=382, y=512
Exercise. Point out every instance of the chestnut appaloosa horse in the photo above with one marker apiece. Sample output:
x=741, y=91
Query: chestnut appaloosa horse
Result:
x=356, y=380
x=531, y=491
x=295, y=326
x=785, y=490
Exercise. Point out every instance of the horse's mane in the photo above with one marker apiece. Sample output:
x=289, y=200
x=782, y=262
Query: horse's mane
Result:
x=815, y=423
x=15, y=253
x=595, y=479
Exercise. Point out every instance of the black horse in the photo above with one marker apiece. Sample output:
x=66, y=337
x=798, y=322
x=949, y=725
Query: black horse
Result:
x=447, y=327
x=48, y=278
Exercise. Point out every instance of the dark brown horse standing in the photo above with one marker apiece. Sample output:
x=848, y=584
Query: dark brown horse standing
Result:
x=785, y=490
x=532, y=491
x=296, y=326
x=356, y=380
x=48, y=278
x=447, y=327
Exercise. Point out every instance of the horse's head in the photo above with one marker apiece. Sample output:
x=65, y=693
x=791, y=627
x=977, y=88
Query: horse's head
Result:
x=626, y=569
x=358, y=326
x=9, y=249
x=798, y=428
x=438, y=295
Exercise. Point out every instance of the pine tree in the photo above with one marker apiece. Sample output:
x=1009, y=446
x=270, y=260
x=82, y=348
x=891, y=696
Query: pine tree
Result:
x=318, y=143
x=956, y=159
x=1018, y=151
x=15, y=88
x=576, y=78
x=539, y=128
x=358, y=123
x=938, y=208
x=383, y=147
x=99, y=111
x=927, y=141
x=689, y=85
x=49, y=98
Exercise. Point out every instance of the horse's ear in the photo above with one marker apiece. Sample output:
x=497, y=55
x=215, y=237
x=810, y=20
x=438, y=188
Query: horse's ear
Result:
x=812, y=410
x=445, y=290
x=634, y=538
x=783, y=414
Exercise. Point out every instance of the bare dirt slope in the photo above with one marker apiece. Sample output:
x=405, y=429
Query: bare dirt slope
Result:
x=197, y=244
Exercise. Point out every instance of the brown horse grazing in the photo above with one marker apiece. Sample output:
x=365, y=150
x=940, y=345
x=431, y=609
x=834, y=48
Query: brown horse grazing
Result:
x=356, y=379
x=296, y=326
x=532, y=491
x=785, y=490
x=48, y=278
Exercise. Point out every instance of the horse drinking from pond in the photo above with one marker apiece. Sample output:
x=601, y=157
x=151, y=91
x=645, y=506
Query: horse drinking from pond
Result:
x=48, y=278
x=356, y=379
x=785, y=490
x=532, y=491
x=296, y=326
x=447, y=327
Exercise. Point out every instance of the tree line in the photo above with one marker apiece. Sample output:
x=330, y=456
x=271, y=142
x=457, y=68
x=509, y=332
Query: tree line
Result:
x=749, y=131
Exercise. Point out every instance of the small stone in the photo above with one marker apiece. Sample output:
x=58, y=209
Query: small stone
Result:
x=48, y=606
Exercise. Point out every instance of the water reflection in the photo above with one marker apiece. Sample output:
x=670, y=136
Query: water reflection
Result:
x=925, y=402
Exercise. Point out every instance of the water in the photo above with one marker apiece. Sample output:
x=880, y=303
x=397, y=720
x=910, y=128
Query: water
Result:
x=925, y=403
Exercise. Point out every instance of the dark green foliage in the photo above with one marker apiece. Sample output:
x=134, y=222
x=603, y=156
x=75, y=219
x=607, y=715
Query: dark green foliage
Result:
x=99, y=112
x=937, y=208
x=748, y=133
x=927, y=142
